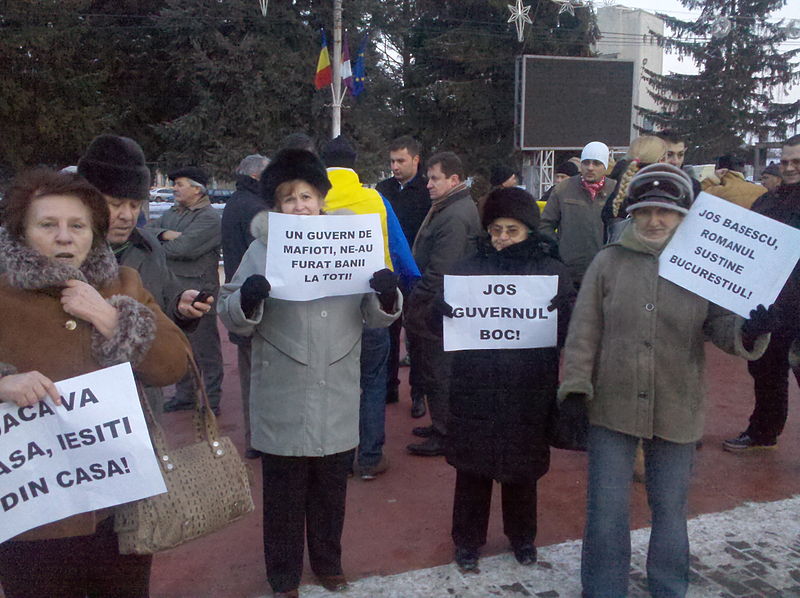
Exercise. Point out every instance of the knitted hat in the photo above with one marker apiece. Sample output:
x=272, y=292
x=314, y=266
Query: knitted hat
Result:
x=596, y=150
x=499, y=174
x=567, y=168
x=511, y=202
x=195, y=173
x=339, y=152
x=772, y=169
x=292, y=165
x=662, y=186
x=115, y=165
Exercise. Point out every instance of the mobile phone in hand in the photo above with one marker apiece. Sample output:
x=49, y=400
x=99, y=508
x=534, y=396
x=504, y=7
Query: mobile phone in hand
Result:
x=202, y=296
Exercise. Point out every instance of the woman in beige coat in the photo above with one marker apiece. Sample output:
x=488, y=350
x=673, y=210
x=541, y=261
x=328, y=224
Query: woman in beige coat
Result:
x=634, y=353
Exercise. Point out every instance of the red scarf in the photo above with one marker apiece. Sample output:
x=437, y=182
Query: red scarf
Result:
x=593, y=188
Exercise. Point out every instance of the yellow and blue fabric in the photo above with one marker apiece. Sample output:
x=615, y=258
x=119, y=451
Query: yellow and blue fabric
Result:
x=347, y=193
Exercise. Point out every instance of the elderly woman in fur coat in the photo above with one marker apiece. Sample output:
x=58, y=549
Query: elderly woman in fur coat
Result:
x=305, y=394
x=69, y=309
x=635, y=355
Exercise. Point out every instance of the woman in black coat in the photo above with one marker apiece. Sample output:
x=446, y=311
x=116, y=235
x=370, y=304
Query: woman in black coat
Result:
x=502, y=401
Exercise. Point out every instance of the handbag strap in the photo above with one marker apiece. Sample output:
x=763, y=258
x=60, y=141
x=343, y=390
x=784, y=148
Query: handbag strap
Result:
x=203, y=420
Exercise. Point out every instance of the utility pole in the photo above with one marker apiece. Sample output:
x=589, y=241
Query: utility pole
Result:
x=338, y=96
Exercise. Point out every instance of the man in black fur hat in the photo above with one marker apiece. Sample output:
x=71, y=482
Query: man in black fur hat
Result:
x=116, y=166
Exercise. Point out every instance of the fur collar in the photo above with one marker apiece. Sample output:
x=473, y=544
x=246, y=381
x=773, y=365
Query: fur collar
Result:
x=27, y=269
x=259, y=227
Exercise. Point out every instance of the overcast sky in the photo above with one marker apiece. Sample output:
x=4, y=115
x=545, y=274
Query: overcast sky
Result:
x=674, y=8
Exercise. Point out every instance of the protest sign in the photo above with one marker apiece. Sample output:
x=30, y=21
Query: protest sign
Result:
x=500, y=312
x=90, y=452
x=729, y=255
x=309, y=257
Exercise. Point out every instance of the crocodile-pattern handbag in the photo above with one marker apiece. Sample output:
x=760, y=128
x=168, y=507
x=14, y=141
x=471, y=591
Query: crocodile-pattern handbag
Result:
x=208, y=487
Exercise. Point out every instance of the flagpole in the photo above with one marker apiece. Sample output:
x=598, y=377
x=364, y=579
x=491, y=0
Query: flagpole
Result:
x=336, y=86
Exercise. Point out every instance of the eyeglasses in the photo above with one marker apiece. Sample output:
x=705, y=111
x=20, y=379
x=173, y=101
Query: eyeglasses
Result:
x=513, y=231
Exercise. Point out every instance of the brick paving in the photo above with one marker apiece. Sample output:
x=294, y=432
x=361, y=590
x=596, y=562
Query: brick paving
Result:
x=752, y=551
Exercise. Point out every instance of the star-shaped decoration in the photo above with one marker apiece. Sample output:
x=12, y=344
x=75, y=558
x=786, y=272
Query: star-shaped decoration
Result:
x=566, y=6
x=519, y=16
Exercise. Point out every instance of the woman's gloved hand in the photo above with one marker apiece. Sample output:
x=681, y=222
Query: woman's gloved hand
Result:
x=254, y=290
x=761, y=321
x=384, y=283
x=442, y=307
x=562, y=301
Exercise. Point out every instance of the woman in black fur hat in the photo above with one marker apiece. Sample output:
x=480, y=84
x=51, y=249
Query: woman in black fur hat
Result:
x=305, y=395
x=501, y=401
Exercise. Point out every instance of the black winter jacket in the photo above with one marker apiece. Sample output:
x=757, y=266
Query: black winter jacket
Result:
x=410, y=203
x=783, y=205
x=502, y=401
x=240, y=209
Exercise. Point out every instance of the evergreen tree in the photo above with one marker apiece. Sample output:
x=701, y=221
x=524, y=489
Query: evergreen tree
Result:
x=458, y=88
x=246, y=81
x=731, y=99
x=48, y=93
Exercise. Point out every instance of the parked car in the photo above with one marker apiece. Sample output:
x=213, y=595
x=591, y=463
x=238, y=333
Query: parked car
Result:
x=219, y=195
x=162, y=194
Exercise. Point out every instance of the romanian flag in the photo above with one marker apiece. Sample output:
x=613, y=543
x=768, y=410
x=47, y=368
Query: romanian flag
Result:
x=324, y=76
x=347, y=71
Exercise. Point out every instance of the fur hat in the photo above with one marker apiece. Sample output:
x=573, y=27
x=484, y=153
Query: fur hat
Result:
x=568, y=168
x=115, y=165
x=500, y=173
x=291, y=165
x=195, y=173
x=511, y=202
x=339, y=152
x=596, y=150
x=661, y=185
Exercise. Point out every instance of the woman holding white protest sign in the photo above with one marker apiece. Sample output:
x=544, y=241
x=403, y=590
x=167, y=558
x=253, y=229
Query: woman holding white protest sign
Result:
x=634, y=354
x=502, y=401
x=304, y=403
x=69, y=310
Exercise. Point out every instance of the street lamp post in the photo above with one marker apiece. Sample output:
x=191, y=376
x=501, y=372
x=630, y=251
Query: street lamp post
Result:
x=338, y=96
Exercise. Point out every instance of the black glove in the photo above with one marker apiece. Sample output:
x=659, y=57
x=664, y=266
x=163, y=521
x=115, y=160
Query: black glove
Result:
x=570, y=429
x=384, y=283
x=561, y=302
x=442, y=307
x=761, y=321
x=254, y=290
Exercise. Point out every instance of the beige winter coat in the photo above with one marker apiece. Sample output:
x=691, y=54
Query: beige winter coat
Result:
x=635, y=346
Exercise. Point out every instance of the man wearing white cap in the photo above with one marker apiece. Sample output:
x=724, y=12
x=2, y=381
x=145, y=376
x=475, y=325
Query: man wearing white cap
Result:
x=572, y=213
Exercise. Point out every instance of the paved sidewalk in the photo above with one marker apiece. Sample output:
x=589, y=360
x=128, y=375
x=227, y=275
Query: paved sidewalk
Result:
x=752, y=551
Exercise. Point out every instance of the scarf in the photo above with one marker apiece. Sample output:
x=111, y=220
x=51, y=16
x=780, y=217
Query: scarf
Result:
x=593, y=188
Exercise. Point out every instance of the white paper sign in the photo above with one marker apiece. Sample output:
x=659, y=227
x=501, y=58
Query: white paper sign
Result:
x=500, y=312
x=92, y=451
x=729, y=255
x=309, y=257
